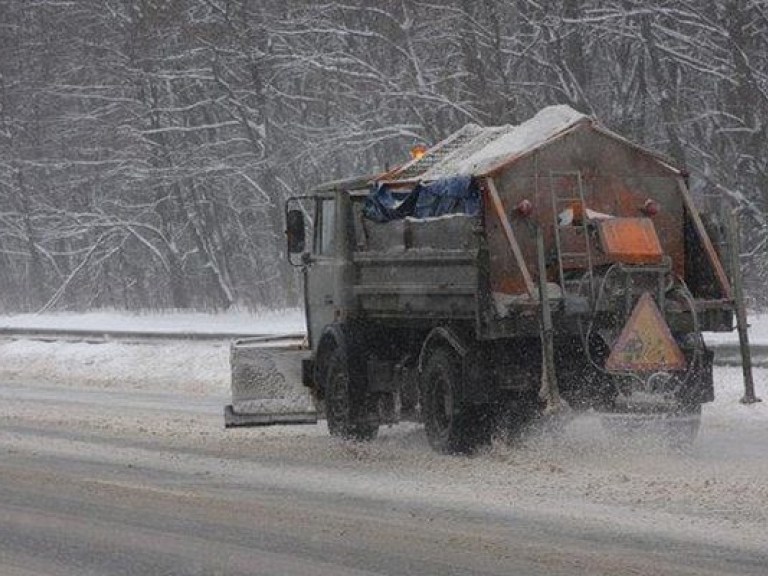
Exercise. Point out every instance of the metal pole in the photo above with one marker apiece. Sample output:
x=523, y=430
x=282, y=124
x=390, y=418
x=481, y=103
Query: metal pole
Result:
x=734, y=241
x=549, y=389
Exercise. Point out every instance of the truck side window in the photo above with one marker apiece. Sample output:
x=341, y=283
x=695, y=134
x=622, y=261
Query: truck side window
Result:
x=327, y=210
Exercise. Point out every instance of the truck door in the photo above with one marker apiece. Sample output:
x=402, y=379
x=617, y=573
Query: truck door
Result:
x=322, y=270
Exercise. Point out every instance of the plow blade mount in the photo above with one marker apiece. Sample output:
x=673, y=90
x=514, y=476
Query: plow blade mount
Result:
x=267, y=387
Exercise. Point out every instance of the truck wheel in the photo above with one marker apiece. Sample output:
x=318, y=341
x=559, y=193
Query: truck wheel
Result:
x=451, y=427
x=345, y=407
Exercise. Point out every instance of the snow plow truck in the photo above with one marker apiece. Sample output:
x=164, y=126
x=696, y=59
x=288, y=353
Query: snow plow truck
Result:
x=502, y=274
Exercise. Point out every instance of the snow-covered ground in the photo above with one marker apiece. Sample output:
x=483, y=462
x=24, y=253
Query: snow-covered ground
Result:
x=128, y=392
x=715, y=494
x=170, y=366
x=173, y=366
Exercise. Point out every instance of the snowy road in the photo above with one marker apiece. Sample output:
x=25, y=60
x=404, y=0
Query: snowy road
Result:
x=100, y=478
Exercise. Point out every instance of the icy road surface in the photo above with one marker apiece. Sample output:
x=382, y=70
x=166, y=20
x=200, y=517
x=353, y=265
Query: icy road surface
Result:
x=103, y=474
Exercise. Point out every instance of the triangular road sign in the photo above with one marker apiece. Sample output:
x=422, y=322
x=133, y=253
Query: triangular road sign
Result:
x=646, y=343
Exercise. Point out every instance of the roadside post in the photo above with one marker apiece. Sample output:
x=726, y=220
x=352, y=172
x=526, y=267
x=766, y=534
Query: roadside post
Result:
x=734, y=241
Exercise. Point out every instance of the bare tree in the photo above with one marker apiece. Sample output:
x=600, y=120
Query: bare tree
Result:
x=146, y=148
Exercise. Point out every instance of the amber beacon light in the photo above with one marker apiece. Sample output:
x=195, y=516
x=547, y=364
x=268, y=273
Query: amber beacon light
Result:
x=418, y=151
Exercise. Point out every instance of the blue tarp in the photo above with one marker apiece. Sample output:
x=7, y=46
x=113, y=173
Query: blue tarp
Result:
x=454, y=195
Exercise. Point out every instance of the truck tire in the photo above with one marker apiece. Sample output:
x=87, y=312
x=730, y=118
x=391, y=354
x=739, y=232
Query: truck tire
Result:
x=346, y=405
x=452, y=428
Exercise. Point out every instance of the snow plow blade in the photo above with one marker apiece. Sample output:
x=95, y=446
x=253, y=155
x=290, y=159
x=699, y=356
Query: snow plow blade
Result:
x=267, y=388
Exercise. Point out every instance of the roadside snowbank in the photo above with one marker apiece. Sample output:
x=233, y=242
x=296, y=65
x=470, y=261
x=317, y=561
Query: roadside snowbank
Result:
x=168, y=366
x=717, y=489
x=188, y=367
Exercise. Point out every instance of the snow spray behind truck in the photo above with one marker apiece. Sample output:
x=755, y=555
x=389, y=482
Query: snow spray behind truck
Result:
x=502, y=274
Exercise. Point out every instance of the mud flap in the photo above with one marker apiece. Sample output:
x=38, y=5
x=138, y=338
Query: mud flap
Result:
x=267, y=387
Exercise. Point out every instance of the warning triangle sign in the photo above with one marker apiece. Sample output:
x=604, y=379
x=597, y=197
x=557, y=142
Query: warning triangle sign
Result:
x=646, y=343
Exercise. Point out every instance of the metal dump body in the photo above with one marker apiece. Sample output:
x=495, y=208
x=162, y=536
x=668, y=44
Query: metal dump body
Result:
x=416, y=269
x=559, y=159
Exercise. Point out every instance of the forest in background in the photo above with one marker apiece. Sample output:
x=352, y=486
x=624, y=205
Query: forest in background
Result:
x=147, y=146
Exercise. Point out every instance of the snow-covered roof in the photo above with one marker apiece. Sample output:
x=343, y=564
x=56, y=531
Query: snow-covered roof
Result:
x=477, y=151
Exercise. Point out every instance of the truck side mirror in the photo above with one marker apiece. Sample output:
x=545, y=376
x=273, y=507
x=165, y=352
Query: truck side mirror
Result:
x=295, y=231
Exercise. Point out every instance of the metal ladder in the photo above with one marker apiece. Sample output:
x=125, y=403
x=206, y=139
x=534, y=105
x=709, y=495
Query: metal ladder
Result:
x=559, y=203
